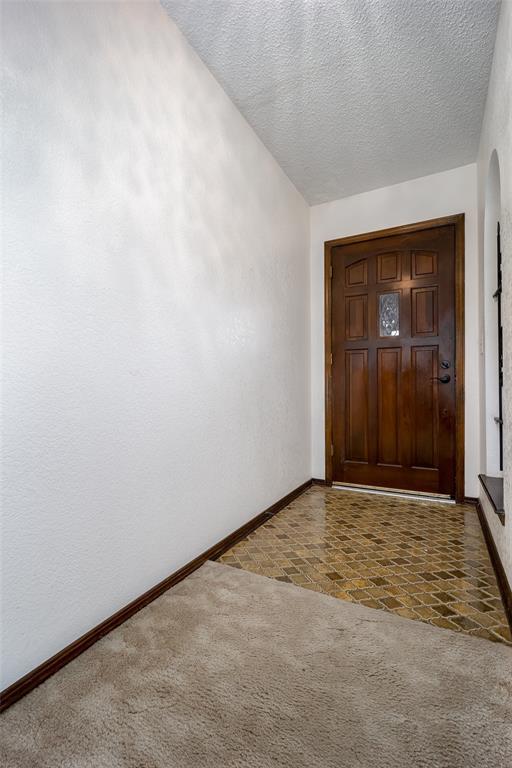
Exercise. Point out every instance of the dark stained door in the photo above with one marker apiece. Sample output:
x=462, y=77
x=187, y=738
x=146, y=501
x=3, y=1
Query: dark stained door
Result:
x=393, y=367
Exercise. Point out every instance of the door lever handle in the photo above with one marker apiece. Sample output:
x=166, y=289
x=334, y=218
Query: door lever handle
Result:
x=442, y=379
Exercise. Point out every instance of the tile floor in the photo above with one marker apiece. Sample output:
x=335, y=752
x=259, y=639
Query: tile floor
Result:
x=420, y=560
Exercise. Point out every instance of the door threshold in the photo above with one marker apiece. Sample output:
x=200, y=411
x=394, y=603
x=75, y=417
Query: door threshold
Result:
x=438, y=498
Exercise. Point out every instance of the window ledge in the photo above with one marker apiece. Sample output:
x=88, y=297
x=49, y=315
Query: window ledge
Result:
x=493, y=487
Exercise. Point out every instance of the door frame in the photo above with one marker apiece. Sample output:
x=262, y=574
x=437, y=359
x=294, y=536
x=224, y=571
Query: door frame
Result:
x=457, y=221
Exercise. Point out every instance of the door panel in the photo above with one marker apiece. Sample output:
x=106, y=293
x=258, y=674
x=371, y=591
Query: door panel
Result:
x=356, y=391
x=424, y=311
x=424, y=264
x=389, y=267
x=424, y=407
x=388, y=392
x=356, y=317
x=392, y=325
x=356, y=274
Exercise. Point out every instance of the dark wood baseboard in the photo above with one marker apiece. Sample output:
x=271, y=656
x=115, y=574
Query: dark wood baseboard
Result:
x=52, y=665
x=501, y=577
x=319, y=481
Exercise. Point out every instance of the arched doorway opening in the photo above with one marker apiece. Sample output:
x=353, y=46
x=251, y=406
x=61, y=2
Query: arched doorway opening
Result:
x=492, y=322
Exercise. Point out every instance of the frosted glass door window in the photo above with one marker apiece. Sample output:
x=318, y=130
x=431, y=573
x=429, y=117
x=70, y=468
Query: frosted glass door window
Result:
x=389, y=314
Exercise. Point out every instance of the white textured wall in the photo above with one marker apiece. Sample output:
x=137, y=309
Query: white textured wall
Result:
x=497, y=135
x=156, y=326
x=440, y=194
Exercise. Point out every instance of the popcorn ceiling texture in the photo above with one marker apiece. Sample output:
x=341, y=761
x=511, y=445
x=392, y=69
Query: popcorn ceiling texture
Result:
x=497, y=135
x=354, y=95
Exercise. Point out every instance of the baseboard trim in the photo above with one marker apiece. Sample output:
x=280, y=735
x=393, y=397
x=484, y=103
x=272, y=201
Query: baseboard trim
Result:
x=38, y=675
x=501, y=576
x=318, y=481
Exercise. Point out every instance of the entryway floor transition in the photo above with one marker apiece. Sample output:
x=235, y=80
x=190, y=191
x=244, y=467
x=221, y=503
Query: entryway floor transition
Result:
x=421, y=560
x=233, y=670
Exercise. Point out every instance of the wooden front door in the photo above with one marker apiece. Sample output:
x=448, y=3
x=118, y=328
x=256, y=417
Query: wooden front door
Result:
x=393, y=361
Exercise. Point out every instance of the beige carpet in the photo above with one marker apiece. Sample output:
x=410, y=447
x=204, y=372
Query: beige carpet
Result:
x=232, y=669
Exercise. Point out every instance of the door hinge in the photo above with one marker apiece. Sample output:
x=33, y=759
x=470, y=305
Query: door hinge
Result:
x=331, y=358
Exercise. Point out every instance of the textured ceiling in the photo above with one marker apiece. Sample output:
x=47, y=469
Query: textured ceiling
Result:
x=350, y=95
